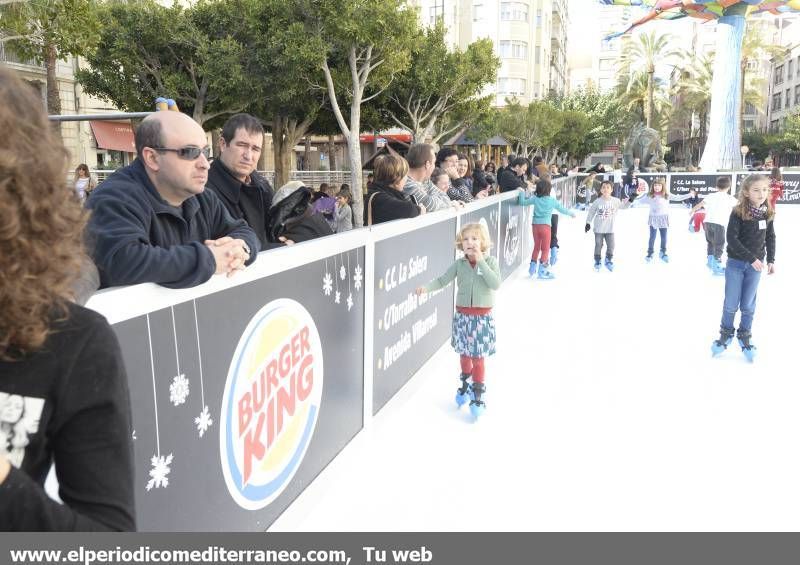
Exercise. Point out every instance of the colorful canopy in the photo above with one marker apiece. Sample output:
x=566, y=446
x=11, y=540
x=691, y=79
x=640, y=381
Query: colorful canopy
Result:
x=702, y=9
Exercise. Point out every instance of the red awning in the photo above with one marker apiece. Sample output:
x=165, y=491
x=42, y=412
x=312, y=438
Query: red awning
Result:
x=116, y=136
x=369, y=138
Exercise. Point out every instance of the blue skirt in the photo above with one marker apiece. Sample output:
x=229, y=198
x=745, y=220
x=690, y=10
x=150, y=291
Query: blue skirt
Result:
x=473, y=336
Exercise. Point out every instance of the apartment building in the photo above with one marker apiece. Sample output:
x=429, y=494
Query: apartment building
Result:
x=529, y=36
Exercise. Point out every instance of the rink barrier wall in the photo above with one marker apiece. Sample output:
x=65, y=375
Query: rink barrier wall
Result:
x=244, y=389
x=704, y=183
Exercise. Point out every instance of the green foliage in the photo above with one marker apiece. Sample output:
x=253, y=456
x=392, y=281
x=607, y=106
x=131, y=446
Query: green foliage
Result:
x=71, y=26
x=530, y=128
x=594, y=118
x=147, y=50
x=439, y=92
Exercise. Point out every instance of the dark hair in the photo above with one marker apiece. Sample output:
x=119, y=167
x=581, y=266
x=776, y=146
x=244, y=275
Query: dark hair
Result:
x=250, y=124
x=723, y=182
x=344, y=186
x=537, y=160
x=518, y=161
x=323, y=187
x=346, y=194
x=419, y=154
x=444, y=153
x=148, y=134
x=543, y=187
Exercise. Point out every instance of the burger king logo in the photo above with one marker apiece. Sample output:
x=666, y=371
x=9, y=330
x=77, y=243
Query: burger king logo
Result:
x=271, y=403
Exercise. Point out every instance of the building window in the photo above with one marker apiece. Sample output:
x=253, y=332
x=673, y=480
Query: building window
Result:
x=513, y=12
x=788, y=98
x=789, y=69
x=513, y=50
x=779, y=74
x=750, y=109
x=538, y=55
x=749, y=125
x=511, y=86
x=436, y=12
x=606, y=64
x=776, y=102
x=797, y=94
x=538, y=18
x=477, y=12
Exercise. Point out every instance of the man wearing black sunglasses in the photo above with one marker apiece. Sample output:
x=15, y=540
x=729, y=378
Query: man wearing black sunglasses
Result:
x=153, y=221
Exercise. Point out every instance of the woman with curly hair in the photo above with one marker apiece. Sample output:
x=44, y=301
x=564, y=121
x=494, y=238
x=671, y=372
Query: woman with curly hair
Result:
x=63, y=390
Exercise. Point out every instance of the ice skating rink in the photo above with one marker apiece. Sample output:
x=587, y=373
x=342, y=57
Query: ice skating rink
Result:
x=605, y=409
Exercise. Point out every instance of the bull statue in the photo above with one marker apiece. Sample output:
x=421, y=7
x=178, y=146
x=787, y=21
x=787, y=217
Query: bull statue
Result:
x=644, y=144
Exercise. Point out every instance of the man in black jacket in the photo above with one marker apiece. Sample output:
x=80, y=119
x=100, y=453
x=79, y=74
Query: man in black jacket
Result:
x=153, y=221
x=233, y=177
x=511, y=177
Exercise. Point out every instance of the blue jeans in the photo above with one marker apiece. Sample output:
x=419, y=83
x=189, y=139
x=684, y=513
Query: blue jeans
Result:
x=741, y=284
x=652, y=241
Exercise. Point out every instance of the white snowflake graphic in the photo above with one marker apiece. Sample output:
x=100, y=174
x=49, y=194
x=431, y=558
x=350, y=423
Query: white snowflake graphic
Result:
x=133, y=435
x=338, y=297
x=342, y=272
x=327, y=284
x=357, y=278
x=203, y=421
x=350, y=301
x=179, y=390
x=159, y=472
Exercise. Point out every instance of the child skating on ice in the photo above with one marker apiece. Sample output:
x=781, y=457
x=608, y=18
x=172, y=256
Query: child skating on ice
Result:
x=658, y=199
x=543, y=206
x=604, y=211
x=750, y=234
x=477, y=276
x=718, y=208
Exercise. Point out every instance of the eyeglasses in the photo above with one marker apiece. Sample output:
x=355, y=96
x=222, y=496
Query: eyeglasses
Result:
x=190, y=153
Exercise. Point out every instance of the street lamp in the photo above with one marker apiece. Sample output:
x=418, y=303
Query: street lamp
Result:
x=744, y=149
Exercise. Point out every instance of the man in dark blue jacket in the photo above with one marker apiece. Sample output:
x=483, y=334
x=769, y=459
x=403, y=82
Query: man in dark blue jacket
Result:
x=153, y=221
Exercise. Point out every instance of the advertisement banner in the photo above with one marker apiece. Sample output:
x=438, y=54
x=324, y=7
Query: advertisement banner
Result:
x=703, y=184
x=515, y=223
x=241, y=397
x=408, y=328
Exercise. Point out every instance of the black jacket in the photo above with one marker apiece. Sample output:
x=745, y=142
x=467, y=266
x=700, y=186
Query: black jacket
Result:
x=508, y=181
x=294, y=219
x=388, y=204
x=747, y=239
x=68, y=404
x=248, y=202
x=136, y=237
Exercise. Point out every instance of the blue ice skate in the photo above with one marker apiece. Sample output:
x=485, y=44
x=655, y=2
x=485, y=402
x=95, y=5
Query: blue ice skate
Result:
x=533, y=268
x=663, y=256
x=553, y=255
x=545, y=273
x=710, y=262
x=748, y=348
x=597, y=266
x=477, y=406
x=649, y=257
x=610, y=265
x=717, y=268
x=463, y=394
x=721, y=344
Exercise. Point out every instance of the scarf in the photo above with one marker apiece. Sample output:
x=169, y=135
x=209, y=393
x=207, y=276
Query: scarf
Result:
x=757, y=212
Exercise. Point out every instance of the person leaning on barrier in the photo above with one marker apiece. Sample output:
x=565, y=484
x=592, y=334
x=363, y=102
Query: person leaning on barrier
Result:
x=63, y=390
x=153, y=221
x=292, y=217
x=233, y=177
x=421, y=159
x=511, y=177
x=385, y=200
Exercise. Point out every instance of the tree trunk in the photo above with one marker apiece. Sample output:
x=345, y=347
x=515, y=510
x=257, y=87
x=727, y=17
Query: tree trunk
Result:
x=286, y=133
x=216, y=135
x=741, y=104
x=650, y=94
x=53, y=97
x=307, y=155
x=724, y=139
x=332, y=152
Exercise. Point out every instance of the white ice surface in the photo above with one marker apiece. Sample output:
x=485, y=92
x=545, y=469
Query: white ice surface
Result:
x=605, y=409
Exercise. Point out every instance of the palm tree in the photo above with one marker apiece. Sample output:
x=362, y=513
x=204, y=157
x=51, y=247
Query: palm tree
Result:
x=647, y=52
